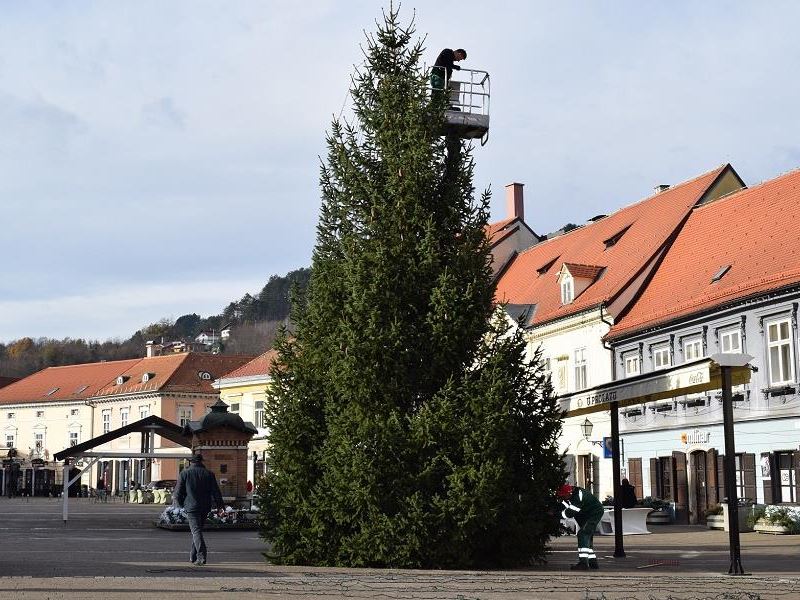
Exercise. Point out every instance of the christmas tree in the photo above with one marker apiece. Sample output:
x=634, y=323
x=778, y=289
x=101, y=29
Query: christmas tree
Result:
x=407, y=428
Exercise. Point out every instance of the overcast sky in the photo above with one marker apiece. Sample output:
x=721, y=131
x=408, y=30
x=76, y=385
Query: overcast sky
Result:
x=161, y=158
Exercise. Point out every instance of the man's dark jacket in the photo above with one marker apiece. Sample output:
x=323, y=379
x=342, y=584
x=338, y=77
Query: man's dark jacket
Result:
x=446, y=61
x=197, y=488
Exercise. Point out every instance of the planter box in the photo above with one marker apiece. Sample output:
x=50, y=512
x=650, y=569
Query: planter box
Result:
x=762, y=527
x=715, y=522
x=743, y=512
x=659, y=517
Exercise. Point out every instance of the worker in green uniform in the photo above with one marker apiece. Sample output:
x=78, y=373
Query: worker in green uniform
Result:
x=587, y=511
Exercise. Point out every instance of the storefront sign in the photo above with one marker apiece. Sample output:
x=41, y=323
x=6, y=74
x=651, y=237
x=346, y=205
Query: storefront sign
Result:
x=699, y=376
x=695, y=437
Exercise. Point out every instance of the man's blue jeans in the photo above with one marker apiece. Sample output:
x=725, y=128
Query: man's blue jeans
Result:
x=196, y=522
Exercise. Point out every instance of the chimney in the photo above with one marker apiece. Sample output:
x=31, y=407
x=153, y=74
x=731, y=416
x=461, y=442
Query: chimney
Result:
x=515, y=206
x=153, y=349
x=663, y=187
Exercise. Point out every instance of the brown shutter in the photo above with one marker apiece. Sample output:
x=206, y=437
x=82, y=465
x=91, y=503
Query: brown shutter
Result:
x=749, y=476
x=654, y=491
x=635, y=476
x=767, y=477
x=669, y=475
x=721, y=477
x=712, y=493
x=796, y=466
x=596, y=476
x=681, y=489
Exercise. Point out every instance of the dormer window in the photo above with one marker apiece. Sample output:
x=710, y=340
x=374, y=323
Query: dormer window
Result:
x=204, y=375
x=615, y=238
x=147, y=377
x=546, y=266
x=566, y=290
x=122, y=379
x=574, y=278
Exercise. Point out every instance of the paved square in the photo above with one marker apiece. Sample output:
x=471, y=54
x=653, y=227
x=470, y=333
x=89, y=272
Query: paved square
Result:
x=111, y=551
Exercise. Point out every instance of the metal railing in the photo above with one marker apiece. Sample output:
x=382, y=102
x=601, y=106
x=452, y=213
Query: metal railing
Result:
x=469, y=89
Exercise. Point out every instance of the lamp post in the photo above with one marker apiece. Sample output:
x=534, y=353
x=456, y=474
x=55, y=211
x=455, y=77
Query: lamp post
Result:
x=586, y=429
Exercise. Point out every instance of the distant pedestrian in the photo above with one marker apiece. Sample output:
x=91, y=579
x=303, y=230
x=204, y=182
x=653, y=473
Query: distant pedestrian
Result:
x=195, y=492
x=627, y=494
x=587, y=511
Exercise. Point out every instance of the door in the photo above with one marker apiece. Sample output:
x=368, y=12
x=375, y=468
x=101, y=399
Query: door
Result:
x=681, y=489
x=700, y=487
x=635, y=476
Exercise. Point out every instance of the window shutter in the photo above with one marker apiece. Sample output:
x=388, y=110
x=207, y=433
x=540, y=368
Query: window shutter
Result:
x=712, y=494
x=635, y=476
x=596, y=476
x=654, y=491
x=681, y=488
x=749, y=476
x=569, y=468
x=766, y=475
x=669, y=473
x=720, y=477
x=796, y=466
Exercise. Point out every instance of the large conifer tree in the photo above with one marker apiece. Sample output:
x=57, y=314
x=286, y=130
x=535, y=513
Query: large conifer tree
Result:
x=406, y=427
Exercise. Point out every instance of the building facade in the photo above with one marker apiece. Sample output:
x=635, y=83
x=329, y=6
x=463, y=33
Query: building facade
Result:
x=739, y=294
x=61, y=407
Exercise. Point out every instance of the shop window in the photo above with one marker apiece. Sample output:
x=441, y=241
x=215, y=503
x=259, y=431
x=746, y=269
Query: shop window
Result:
x=785, y=487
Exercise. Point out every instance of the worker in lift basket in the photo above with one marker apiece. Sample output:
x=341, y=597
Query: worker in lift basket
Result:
x=587, y=511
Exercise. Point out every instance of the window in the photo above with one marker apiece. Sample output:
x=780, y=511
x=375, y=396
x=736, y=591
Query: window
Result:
x=9, y=440
x=73, y=438
x=144, y=411
x=566, y=290
x=73, y=412
x=123, y=416
x=786, y=478
x=661, y=358
x=235, y=407
x=259, y=413
x=106, y=421
x=692, y=349
x=632, y=365
x=38, y=441
x=580, y=369
x=39, y=414
x=561, y=379
x=740, y=492
x=10, y=415
x=779, y=345
x=184, y=415
x=730, y=341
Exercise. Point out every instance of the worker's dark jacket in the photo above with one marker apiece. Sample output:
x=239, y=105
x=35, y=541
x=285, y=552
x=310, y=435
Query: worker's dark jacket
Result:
x=583, y=507
x=197, y=488
x=446, y=63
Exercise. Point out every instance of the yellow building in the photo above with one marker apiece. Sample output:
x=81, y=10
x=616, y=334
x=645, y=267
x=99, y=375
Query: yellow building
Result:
x=244, y=391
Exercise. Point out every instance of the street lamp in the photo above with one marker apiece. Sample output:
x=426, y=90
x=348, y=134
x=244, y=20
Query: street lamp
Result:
x=586, y=428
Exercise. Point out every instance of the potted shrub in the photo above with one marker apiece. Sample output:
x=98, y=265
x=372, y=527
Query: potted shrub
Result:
x=715, y=519
x=743, y=512
x=778, y=520
x=660, y=513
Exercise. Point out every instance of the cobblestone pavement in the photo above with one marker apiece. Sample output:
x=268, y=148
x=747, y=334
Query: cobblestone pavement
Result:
x=111, y=551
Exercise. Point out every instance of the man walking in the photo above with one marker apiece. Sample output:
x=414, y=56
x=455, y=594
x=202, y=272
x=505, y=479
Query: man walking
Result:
x=587, y=511
x=196, y=490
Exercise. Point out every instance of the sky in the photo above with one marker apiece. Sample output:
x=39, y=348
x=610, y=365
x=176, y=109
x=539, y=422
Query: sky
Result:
x=162, y=158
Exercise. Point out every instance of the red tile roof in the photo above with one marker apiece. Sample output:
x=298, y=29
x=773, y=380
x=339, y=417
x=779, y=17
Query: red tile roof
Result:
x=754, y=231
x=583, y=271
x=497, y=231
x=260, y=365
x=647, y=224
x=169, y=373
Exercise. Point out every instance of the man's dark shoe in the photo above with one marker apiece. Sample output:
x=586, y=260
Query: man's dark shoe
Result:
x=581, y=566
x=199, y=563
x=593, y=564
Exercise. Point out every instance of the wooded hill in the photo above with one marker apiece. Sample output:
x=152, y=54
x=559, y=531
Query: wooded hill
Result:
x=253, y=320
